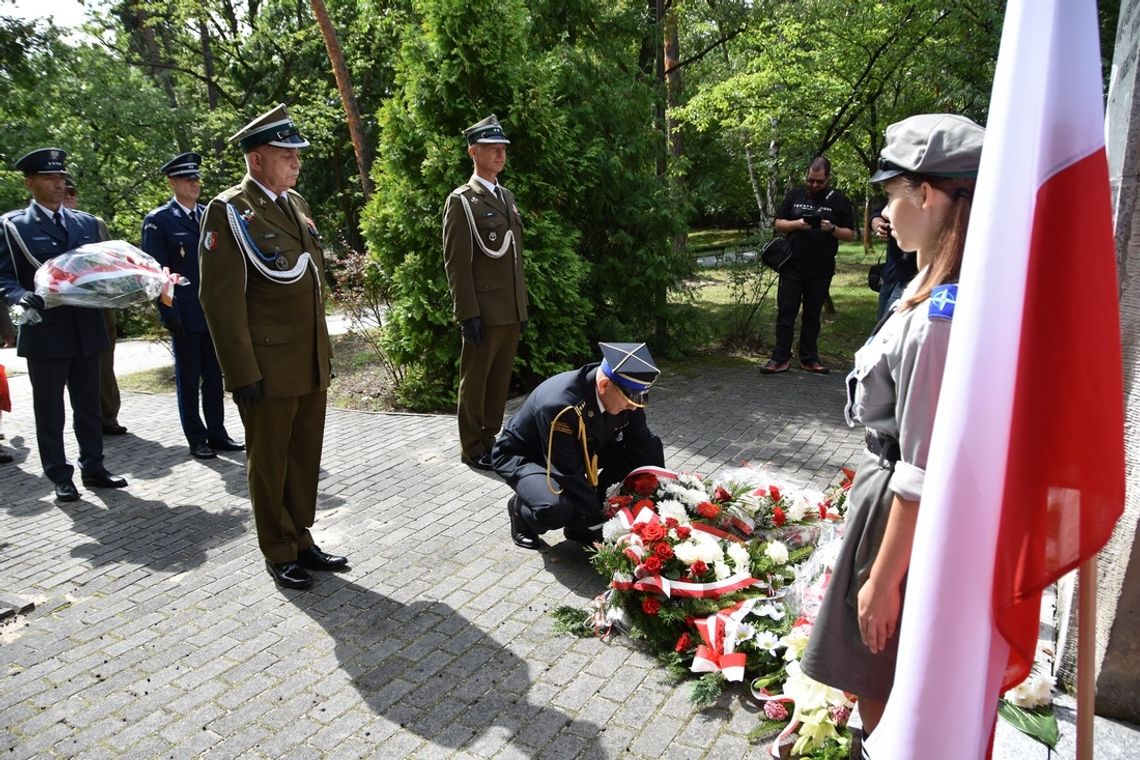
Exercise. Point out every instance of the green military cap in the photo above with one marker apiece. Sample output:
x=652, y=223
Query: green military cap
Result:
x=935, y=144
x=487, y=131
x=631, y=368
x=274, y=127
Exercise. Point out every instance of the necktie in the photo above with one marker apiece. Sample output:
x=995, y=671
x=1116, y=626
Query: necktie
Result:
x=499, y=194
x=194, y=216
x=58, y=218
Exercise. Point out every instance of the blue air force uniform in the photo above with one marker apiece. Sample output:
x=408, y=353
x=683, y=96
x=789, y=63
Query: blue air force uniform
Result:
x=561, y=450
x=171, y=236
x=63, y=350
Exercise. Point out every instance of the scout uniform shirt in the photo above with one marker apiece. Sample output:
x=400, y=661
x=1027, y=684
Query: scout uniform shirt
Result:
x=262, y=269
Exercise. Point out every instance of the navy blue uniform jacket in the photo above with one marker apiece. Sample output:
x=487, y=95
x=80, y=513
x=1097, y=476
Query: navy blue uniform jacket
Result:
x=66, y=331
x=172, y=239
x=521, y=448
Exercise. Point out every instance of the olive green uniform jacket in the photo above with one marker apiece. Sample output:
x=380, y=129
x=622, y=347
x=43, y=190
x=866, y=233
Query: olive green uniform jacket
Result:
x=262, y=270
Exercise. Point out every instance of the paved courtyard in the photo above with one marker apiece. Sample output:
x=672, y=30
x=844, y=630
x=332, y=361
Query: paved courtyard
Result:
x=156, y=631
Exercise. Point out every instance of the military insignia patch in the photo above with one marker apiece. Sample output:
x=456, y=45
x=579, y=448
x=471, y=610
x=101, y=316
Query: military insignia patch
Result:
x=210, y=242
x=182, y=251
x=247, y=214
x=492, y=237
x=562, y=427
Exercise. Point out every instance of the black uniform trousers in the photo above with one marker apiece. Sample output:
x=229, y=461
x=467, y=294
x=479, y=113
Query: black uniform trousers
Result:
x=80, y=375
x=196, y=366
x=795, y=289
x=544, y=510
x=283, y=440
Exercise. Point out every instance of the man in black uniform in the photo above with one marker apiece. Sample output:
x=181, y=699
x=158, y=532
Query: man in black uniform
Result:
x=814, y=218
x=63, y=350
x=578, y=433
x=170, y=235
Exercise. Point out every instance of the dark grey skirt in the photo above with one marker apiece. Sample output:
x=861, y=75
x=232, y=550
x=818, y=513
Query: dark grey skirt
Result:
x=836, y=654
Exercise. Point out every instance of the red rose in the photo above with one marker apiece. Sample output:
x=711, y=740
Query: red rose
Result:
x=653, y=532
x=774, y=493
x=653, y=564
x=708, y=510
x=683, y=642
x=650, y=606
x=699, y=567
x=644, y=484
x=643, y=504
x=663, y=550
x=778, y=517
x=721, y=494
x=671, y=523
x=823, y=509
x=638, y=529
x=684, y=531
x=617, y=503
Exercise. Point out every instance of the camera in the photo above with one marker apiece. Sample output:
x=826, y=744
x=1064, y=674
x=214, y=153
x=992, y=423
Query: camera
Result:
x=813, y=220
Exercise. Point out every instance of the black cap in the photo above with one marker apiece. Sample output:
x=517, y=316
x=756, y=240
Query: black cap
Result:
x=42, y=161
x=69, y=183
x=274, y=127
x=184, y=165
x=487, y=131
x=631, y=368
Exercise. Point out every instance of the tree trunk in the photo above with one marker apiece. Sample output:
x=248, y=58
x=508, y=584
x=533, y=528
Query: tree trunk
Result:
x=344, y=86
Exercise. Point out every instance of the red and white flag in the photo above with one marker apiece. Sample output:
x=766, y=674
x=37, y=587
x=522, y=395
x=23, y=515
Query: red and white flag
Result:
x=1025, y=478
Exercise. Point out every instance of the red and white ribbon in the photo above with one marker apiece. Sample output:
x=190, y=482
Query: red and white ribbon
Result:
x=719, y=633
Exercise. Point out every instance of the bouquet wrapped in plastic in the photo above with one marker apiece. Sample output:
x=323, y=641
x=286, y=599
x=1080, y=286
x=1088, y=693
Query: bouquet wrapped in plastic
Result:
x=106, y=275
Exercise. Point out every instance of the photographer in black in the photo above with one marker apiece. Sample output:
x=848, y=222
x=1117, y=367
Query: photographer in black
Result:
x=814, y=219
x=900, y=268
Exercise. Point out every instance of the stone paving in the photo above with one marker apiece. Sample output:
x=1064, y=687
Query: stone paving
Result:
x=156, y=631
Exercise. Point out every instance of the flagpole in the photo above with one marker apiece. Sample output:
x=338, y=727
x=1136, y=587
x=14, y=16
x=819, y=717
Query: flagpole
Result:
x=1086, y=657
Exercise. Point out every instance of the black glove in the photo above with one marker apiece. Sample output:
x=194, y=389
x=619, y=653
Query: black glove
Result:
x=473, y=331
x=177, y=329
x=32, y=301
x=248, y=395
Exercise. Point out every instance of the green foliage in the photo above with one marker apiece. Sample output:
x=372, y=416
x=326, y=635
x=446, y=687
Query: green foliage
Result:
x=1039, y=723
x=707, y=690
x=573, y=621
x=750, y=283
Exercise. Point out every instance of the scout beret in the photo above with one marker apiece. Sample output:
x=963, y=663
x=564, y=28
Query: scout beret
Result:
x=42, y=161
x=631, y=368
x=935, y=144
x=274, y=127
x=184, y=165
x=487, y=131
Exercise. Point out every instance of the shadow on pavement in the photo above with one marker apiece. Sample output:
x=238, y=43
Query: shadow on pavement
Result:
x=569, y=563
x=152, y=534
x=426, y=667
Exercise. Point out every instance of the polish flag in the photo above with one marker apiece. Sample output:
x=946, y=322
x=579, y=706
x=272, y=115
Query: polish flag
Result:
x=1025, y=478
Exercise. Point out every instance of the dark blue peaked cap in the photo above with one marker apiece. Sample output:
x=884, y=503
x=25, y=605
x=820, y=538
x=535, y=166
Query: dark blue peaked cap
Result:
x=42, y=161
x=631, y=367
x=184, y=165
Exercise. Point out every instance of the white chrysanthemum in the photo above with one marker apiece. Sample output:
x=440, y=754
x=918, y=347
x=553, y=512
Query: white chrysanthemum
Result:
x=722, y=570
x=773, y=610
x=688, y=480
x=1034, y=691
x=739, y=556
x=767, y=641
x=613, y=490
x=687, y=552
x=673, y=508
x=613, y=529
x=708, y=548
x=796, y=509
x=776, y=552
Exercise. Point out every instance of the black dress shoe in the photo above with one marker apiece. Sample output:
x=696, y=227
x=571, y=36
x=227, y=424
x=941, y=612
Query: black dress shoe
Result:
x=289, y=574
x=114, y=430
x=315, y=559
x=5, y=457
x=104, y=480
x=481, y=462
x=202, y=451
x=66, y=491
x=521, y=533
x=225, y=444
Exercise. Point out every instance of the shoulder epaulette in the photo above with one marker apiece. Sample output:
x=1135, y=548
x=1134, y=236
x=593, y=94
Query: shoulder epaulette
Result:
x=942, y=301
x=459, y=190
x=227, y=195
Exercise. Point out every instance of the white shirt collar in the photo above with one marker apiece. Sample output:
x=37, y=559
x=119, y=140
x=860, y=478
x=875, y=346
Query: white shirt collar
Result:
x=492, y=186
x=48, y=212
x=186, y=211
x=272, y=195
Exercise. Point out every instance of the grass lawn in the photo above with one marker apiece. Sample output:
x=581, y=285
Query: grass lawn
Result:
x=841, y=334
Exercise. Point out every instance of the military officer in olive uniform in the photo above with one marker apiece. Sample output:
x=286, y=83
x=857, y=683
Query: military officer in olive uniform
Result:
x=577, y=434
x=483, y=256
x=262, y=270
x=63, y=349
x=170, y=235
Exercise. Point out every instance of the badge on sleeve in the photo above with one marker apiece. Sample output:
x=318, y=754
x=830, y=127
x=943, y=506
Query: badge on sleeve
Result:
x=210, y=242
x=942, y=301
